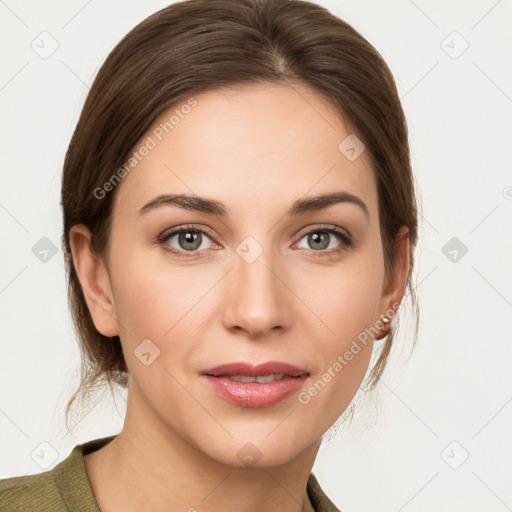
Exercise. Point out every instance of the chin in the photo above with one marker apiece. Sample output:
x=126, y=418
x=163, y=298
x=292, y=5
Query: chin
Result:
x=259, y=449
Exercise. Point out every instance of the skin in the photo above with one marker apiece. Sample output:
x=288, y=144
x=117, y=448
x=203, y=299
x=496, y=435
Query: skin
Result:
x=256, y=149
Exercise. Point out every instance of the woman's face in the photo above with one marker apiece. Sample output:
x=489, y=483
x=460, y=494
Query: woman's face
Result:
x=266, y=281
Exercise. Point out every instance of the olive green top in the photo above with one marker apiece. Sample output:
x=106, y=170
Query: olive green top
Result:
x=66, y=487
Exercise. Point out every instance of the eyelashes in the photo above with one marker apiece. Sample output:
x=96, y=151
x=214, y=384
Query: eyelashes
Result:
x=194, y=238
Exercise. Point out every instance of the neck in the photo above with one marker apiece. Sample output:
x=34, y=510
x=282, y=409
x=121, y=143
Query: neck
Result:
x=150, y=467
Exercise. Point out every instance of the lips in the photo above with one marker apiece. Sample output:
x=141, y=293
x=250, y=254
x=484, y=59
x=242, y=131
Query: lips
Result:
x=248, y=385
x=255, y=370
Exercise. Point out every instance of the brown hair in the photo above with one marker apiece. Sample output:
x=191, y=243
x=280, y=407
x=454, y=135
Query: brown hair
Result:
x=198, y=45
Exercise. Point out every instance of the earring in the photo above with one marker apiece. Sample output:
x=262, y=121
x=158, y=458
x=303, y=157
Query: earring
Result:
x=386, y=321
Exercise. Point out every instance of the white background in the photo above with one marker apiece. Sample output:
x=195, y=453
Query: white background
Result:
x=456, y=386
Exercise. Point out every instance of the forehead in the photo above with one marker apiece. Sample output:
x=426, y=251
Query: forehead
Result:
x=253, y=145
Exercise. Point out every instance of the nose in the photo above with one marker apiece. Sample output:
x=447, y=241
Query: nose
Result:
x=257, y=297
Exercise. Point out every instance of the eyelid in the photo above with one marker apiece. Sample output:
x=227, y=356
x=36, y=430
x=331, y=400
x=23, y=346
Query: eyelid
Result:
x=186, y=227
x=319, y=227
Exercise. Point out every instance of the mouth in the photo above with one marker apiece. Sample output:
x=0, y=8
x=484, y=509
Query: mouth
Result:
x=262, y=379
x=255, y=386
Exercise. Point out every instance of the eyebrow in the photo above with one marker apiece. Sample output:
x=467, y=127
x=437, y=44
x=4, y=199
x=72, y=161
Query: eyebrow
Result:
x=212, y=207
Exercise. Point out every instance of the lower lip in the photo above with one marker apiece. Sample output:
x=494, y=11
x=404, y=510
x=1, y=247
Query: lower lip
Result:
x=255, y=394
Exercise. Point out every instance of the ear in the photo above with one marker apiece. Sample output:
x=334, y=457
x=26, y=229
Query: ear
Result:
x=394, y=287
x=95, y=281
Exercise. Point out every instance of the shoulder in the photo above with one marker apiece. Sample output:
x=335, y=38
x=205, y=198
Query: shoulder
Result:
x=65, y=487
x=318, y=498
x=31, y=492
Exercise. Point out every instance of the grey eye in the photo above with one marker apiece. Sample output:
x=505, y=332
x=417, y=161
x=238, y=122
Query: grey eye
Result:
x=189, y=240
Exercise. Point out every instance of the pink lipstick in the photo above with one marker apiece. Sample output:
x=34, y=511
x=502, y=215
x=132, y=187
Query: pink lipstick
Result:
x=260, y=385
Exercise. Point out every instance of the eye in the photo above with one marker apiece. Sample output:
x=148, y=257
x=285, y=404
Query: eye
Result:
x=185, y=240
x=326, y=240
x=189, y=241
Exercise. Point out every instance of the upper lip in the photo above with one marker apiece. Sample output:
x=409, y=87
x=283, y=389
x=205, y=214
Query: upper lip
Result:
x=241, y=368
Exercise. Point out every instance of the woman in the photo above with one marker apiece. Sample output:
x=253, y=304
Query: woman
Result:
x=239, y=228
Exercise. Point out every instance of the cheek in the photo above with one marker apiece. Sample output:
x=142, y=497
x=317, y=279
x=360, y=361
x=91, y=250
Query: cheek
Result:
x=346, y=301
x=162, y=302
x=152, y=302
